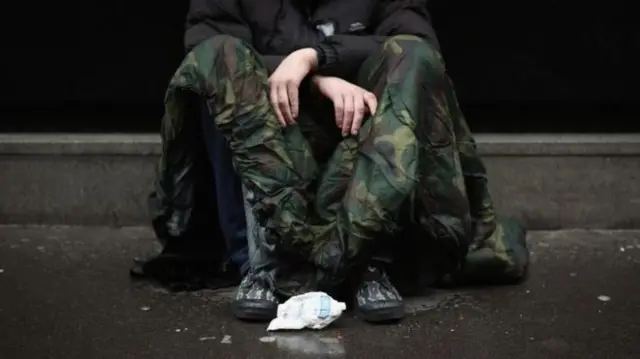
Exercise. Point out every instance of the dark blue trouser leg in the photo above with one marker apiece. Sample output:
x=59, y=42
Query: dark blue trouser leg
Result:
x=229, y=197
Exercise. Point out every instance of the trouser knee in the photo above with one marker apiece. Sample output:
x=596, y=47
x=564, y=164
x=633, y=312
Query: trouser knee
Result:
x=406, y=51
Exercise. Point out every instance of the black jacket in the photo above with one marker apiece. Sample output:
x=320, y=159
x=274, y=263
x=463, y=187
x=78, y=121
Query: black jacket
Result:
x=345, y=31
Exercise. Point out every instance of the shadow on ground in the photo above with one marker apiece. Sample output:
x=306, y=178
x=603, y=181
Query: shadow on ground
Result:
x=66, y=293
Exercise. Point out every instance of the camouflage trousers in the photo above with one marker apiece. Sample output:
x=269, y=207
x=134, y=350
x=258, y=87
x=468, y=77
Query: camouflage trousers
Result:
x=411, y=174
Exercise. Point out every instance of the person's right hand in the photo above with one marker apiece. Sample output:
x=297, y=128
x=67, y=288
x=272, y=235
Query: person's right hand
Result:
x=285, y=81
x=350, y=102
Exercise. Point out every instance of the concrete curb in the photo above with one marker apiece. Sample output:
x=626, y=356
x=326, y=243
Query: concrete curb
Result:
x=549, y=181
x=488, y=144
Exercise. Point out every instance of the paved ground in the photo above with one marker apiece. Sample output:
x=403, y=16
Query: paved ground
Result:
x=65, y=293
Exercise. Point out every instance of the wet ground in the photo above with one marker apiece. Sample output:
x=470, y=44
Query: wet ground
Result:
x=65, y=293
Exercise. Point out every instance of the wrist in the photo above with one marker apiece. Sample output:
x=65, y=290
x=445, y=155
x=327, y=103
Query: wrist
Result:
x=316, y=78
x=311, y=55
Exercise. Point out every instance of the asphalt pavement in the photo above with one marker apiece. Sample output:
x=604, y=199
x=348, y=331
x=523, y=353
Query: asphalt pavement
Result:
x=66, y=293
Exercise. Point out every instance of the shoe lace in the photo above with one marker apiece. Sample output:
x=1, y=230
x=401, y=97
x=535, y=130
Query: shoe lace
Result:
x=377, y=276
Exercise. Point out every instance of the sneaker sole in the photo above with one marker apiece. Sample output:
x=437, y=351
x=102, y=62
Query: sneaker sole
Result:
x=253, y=311
x=382, y=315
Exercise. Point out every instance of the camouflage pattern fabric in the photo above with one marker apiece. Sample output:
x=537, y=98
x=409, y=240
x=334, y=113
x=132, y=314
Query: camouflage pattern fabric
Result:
x=501, y=258
x=411, y=175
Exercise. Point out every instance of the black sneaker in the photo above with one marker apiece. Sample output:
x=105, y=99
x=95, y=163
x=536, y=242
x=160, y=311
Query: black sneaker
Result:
x=377, y=300
x=255, y=299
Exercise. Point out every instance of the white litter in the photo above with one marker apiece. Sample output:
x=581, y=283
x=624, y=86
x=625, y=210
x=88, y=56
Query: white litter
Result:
x=226, y=339
x=314, y=310
x=604, y=298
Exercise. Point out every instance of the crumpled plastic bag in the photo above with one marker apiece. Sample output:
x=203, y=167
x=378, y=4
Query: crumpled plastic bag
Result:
x=313, y=310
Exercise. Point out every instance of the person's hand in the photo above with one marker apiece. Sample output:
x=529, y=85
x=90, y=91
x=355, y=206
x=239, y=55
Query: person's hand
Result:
x=285, y=82
x=351, y=103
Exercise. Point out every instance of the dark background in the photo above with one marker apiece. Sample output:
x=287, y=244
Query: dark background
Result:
x=519, y=66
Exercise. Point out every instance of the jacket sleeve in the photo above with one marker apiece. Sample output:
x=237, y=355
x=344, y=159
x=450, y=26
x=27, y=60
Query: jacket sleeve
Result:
x=343, y=54
x=208, y=18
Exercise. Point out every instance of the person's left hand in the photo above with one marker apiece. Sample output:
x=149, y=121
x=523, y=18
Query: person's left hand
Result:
x=285, y=82
x=350, y=102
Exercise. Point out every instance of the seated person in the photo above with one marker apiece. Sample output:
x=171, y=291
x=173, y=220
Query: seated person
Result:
x=347, y=136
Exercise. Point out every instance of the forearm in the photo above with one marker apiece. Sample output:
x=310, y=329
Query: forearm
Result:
x=342, y=55
x=345, y=53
